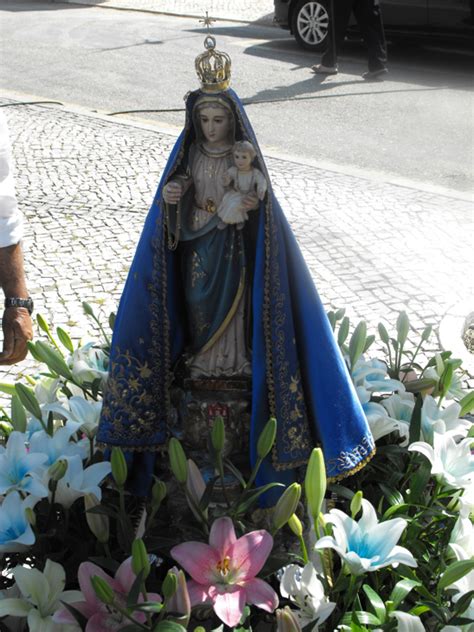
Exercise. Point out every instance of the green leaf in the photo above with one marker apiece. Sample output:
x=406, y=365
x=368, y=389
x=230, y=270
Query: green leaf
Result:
x=367, y=618
x=415, y=421
x=467, y=404
x=375, y=601
x=463, y=603
x=112, y=317
x=343, y=331
x=206, y=497
x=403, y=326
x=395, y=510
x=147, y=606
x=454, y=572
x=28, y=399
x=246, y=503
x=419, y=481
x=401, y=590
x=446, y=379
x=368, y=342
x=332, y=319
x=357, y=342
x=53, y=359
x=340, y=313
x=32, y=350
x=18, y=415
x=9, y=389
x=65, y=339
x=136, y=589
x=392, y=495
x=78, y=616
x=383, y=333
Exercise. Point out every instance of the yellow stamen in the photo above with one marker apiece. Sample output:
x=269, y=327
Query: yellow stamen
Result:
x=224, y=566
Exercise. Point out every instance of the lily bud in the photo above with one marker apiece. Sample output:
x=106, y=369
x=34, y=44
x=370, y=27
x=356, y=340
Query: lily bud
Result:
x=179, y=603
x=286, y=505
x=98, y=523
x=30, y=516
x=295, y=525
x=356, y=503
x=103, y=590
x=177, y=460
x=169, y=586
x=140, y=559
x=267, y=438
x=315, y=482
x=119, y=466
x=158, y=494
x=286, y=620
x=57, y=471
x=218, y=434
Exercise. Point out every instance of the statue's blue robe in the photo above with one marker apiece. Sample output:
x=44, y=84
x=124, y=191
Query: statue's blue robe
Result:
x=298, y=373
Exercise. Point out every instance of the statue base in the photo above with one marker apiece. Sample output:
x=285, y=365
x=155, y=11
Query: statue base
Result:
x=197, y=403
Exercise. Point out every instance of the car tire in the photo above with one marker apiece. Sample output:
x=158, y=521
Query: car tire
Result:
x=310, y=24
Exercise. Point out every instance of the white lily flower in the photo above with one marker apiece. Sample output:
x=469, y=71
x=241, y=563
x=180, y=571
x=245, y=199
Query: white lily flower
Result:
x=16, y=533
x=366, y=545
x=376, y=415
x=463, y=585
x=303, y=588
x=407, y=622
x=451, y=463
x=59, y=445
x=85, y=413
x=88, y=363
x=19, y=469
x=78, y=481
x=399, y=407
x=46, y=390
x=42, y=594
x=373, y=376
x=442, y=420
x=463, y=533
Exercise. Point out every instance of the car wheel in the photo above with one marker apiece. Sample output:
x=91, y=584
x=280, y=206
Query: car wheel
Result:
x=310, y=24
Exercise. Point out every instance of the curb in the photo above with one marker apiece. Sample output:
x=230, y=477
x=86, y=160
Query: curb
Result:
x=174, y=131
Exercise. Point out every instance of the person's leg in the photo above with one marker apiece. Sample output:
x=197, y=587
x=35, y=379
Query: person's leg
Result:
x=337, y=29
x=369, y=19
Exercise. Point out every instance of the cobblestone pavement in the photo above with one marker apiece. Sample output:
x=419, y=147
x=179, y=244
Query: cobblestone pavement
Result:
x=85, y=183
x=239, y=10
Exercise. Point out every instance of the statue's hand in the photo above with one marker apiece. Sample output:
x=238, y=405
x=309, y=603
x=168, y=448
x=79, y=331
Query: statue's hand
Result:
x=250, y=201
x=172, y=192
x=226, y=179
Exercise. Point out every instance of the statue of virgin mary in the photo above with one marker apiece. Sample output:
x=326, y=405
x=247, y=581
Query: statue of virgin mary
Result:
x=226, y=301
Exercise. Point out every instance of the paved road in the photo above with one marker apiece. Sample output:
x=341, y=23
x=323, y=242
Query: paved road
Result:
x=415, y=126
x=85, y=184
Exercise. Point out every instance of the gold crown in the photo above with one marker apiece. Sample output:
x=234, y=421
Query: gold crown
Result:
x=213, y=68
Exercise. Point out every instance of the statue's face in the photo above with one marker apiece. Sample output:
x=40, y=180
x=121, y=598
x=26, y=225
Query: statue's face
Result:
x=242, y=160
x=215, y=126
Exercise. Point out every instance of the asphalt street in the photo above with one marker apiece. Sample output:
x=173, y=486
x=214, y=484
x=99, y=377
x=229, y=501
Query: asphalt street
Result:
x=415, y=127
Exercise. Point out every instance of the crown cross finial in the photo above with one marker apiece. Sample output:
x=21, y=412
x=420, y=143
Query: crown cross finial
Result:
x=212, y=66
x=207, y=21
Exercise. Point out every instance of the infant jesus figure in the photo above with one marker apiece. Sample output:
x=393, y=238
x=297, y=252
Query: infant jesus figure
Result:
x=245, y=180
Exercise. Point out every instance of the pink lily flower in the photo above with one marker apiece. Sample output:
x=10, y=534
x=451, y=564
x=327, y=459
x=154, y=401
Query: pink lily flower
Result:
x=102, y=618
x=223, y=571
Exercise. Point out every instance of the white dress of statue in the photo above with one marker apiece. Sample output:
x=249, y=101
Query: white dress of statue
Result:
x=228, y=355
x=244, y=179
